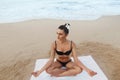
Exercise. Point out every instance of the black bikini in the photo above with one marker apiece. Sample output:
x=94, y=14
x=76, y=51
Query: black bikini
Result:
x=64, y=63
x=63, y=53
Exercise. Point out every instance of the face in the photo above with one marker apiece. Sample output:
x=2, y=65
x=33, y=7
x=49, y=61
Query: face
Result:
x=61, y=34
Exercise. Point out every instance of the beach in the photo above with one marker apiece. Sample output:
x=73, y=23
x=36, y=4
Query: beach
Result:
x=21, y=43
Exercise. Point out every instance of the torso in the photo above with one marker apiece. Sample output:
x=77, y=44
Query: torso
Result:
x=63, y=51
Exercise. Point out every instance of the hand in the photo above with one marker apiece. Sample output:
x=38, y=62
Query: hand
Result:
x=91, y=73
x=36, y=74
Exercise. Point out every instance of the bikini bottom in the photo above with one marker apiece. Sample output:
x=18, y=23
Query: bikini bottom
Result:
x=64, y=63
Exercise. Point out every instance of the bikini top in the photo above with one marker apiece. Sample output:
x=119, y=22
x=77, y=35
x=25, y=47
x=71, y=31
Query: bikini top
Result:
x=63, y=53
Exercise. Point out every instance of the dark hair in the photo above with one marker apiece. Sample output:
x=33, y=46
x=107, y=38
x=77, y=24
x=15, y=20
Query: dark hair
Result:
x=64, y=28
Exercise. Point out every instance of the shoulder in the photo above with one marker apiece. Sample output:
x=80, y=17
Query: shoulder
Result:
x=73, y=44
x=53, y=44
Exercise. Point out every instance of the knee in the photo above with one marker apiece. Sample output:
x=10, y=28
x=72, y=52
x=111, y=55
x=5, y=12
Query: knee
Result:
x=78, y=70
x=48, y=70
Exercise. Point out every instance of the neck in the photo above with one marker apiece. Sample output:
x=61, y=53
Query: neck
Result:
x=63, y=40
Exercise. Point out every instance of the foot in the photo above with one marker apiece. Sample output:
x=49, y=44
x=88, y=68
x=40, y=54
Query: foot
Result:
x=56, y=74
x=92, y=73
x=61, y=75
x=36, y=74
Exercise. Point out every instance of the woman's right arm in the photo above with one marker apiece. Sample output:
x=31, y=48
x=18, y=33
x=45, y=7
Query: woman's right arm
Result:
x=50, y=61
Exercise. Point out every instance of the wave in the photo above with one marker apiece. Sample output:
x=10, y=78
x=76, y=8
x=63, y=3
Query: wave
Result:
x=18, y=10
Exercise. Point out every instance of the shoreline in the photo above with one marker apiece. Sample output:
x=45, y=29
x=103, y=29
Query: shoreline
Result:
x=24, y=42
x=37, y=19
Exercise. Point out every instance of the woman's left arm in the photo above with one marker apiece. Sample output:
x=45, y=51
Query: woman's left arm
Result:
x=79, y=63
x=76, y=60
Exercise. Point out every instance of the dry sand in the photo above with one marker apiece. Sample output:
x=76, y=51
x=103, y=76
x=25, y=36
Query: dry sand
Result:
x=22, y=43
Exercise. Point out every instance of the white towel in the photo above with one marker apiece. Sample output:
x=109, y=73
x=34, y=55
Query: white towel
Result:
x=86, y=60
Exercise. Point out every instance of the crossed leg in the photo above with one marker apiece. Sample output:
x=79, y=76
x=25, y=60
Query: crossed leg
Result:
x=55, y=69
x=72, y=70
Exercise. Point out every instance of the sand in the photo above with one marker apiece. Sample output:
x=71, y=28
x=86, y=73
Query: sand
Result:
x=21, y=43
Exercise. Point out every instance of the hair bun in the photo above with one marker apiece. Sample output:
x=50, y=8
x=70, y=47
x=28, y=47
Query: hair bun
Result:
x=67, y=25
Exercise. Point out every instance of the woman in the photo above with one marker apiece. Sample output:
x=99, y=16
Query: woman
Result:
x=60, y=63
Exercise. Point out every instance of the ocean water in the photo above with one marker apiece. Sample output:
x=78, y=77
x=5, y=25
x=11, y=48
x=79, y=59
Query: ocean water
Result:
x=20, y=10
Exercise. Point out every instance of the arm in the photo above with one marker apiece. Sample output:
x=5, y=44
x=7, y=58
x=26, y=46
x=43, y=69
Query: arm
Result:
x=50, y=61
x=76, y=60
x=79, y=63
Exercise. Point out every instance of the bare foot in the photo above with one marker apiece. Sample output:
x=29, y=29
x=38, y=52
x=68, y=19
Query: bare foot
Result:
x=56, y=74
x=36, y=74
x=92, y=73
x=59, y=75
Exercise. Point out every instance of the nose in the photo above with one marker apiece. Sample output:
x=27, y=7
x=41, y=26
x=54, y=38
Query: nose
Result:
x=58, y=36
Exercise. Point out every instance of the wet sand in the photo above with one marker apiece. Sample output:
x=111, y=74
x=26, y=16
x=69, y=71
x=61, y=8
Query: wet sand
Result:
x=21, y=43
